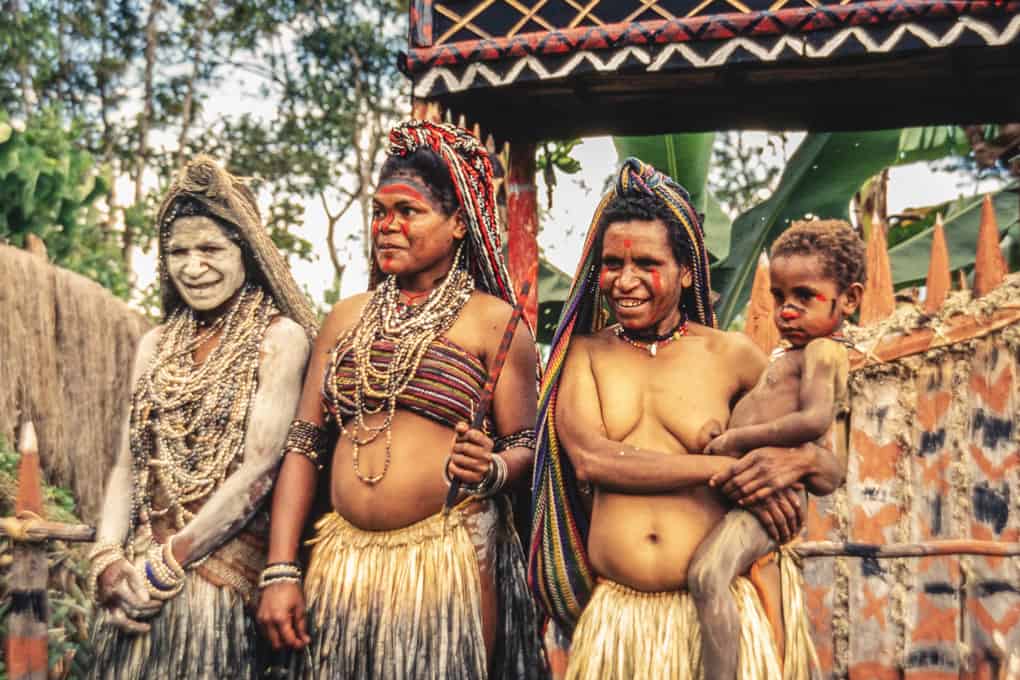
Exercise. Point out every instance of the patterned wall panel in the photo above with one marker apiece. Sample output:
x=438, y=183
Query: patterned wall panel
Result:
x=934, y=454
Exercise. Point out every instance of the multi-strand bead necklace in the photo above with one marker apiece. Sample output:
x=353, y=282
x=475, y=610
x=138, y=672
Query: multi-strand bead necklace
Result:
x=411, y=330
x=188, y=420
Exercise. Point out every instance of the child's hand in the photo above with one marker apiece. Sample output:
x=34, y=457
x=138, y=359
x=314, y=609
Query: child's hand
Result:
x=722, y=446
x=709, y=431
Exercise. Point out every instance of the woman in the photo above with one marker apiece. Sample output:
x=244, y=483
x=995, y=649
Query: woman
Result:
x=395, y=589
x=612, y=569
x=183, y=532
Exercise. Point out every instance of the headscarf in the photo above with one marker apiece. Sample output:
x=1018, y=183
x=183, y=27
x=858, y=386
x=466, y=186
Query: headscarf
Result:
x=228, y=198
x=558, y=569
x=471, y=173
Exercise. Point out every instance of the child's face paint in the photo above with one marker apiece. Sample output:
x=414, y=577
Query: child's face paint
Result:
x=805, y=298
x=788, y=314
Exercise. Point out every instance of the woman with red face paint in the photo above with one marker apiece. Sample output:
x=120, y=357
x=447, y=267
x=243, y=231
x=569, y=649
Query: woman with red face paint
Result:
x=395, y=589
x=623, y=414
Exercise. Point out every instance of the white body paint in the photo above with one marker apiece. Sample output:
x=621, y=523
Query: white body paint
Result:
x=205, y=266
x=284, y=354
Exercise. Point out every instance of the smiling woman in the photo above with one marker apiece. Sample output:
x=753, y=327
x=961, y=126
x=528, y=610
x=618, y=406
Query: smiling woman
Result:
x=183, y=531
x=205, y=265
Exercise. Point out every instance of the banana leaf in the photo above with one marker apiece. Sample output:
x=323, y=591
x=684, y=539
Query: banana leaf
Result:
x=553, y=288
x=824, y=173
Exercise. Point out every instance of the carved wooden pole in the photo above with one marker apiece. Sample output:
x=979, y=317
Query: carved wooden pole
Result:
x=522, y=218
x=989, y=264
x=427, y=109
x=26, y=632
x=939, y=280
x=760, y=326
x=878, y=301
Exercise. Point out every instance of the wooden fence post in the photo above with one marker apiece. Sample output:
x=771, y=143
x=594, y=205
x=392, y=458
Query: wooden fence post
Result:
x=27, y=621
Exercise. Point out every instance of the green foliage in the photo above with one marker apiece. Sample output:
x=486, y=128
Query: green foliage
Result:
x=48, y=187
x=70, y=610
x=823, y=174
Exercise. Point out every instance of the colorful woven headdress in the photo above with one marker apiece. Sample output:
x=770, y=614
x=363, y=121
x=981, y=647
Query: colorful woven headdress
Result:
x=558, y=569
x=471, y=172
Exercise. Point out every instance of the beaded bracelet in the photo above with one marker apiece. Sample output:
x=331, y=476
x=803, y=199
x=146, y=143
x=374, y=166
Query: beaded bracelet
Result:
x=280, y=572
x=164, y=575
x=307, y=439
x=101, y=557
x=521, y=438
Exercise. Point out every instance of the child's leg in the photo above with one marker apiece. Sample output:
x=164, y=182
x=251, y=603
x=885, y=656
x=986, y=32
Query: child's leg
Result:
x=729, y=551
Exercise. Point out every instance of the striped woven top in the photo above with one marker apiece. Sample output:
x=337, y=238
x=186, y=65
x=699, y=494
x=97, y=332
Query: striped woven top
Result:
x=446, y=387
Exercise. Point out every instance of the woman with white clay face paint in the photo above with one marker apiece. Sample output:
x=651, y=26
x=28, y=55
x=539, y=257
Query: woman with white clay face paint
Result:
x=182, y=536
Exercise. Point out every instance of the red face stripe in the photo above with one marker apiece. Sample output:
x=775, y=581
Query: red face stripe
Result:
x=656, y=282
x=381, y=223
x=789, y=314
x=403, y=228
x=821, y=298
x=407, y=186
x=603, y=276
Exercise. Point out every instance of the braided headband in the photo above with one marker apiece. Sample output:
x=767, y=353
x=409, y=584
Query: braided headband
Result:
x=471, y=172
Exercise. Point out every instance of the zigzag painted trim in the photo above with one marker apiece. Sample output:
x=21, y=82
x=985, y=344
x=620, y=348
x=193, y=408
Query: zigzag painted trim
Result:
x=438, y=81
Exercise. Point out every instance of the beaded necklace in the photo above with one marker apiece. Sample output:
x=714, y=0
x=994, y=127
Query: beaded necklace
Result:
x=411, y=330
x=188, y=422
x=653, y=347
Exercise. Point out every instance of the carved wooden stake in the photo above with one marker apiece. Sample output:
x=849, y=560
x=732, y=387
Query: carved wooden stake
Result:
x=760, y=326
x=26, y=632
x=939, y=280
x=989, y=264
x=878, y=301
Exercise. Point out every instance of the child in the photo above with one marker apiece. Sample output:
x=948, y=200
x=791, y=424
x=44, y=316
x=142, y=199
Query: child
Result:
x=817, y=277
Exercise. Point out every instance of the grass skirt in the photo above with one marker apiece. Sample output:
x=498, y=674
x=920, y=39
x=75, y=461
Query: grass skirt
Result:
x=205, y=633
x=626, y=634
x=406, y=603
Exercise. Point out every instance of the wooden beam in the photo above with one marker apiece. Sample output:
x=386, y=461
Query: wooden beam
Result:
x=522, y=227
x=27, y=620
x=989, y=264
x=939, y=280
x=760, y=326
x=892, y=550
x=31, y=529
x=956, y=329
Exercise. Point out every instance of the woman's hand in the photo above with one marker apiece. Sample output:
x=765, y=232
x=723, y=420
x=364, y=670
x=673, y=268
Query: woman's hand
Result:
x=781, y=514
x=123, y=590
x=471, y=458
x=282, y=615
x=761, y=473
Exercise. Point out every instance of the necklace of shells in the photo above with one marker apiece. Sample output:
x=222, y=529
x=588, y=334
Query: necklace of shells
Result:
x=411, y=330
x=188, y=420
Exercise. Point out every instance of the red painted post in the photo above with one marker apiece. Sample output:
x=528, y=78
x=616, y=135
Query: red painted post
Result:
x=26, y=631
x=522, y=227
